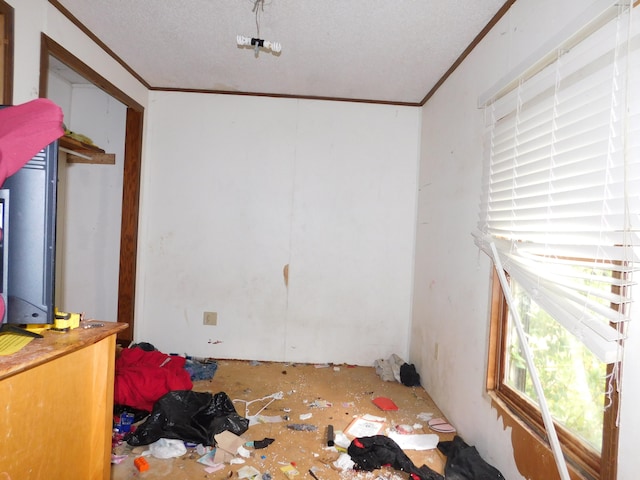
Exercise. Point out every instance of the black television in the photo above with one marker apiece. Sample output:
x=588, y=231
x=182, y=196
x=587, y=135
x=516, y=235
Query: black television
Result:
x=28, y=243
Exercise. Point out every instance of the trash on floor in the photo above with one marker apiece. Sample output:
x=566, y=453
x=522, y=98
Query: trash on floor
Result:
x=209, y=430
x=396, y=369
x=142, y=377
x=260, y=444
x=167, y=448
x=464, y=461
x=384, y=403
x=253, y=419
x=302, y=427
x=416, y=441
x=141, y=464
x=366, y=426
x=227, y=446
x=290, y=471
x=200, y=368
x=441, y=425
x=371, y=453
x=248, y=472
x=190, y=416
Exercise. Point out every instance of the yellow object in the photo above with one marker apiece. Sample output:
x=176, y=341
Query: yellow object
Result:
x=12, y=343
x=79, y=137
x=66, y=320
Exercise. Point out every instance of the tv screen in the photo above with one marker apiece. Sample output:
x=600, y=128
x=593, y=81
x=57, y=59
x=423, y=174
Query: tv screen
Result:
x=28, y=203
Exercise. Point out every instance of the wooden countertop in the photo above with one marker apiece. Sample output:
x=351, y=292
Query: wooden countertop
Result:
x=56, y=344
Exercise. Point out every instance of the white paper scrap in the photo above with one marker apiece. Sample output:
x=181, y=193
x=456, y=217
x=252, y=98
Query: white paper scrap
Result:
x=425, y=441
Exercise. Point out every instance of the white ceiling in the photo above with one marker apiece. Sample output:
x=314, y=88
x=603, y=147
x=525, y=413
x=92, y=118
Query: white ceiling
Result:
x=373, y=50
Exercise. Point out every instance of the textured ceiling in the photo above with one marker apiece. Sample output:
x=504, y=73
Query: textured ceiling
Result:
x=386, y=51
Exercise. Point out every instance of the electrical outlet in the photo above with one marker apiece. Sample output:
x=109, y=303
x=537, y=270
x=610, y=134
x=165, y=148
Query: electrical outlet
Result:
x=210, y=318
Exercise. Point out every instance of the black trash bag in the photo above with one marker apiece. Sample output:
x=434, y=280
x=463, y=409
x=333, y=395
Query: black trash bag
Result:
x=465, y=463
x=190, y=416
x=409, y=377
x=371, y=453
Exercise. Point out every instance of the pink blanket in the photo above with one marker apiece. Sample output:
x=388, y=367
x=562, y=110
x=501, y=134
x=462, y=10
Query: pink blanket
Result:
x=25, y=130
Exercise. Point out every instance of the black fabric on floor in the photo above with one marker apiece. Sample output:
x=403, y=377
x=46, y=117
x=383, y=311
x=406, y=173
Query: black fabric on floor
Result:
x=465, y=463
x=190, y=416
x=371, y=453
x=409, y=377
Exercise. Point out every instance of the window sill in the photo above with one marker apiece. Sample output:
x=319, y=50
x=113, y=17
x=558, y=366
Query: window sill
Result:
x=531, y=452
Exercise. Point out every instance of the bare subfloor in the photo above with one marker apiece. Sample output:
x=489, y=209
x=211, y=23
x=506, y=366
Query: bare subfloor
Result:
x=347, y=392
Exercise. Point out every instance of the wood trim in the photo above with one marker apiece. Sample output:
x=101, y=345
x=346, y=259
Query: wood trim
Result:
x=131, y=175
x=282, y=95
x=96, y=40
x=129, y=227
x=6, y=12
x=51, y=47
x=609, y=470
x=495, y=334
x=500, y=13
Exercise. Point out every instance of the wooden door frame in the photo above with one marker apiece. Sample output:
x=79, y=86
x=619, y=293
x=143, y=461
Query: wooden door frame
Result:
x=6, y=93
x=131, y=176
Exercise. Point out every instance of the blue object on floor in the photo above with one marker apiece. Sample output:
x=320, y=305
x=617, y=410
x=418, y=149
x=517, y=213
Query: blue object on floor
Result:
x=201, y=370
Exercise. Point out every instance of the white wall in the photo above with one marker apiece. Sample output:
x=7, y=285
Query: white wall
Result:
x=238, y=187
x=90, y=234
x=452, y=279
x=89, y=203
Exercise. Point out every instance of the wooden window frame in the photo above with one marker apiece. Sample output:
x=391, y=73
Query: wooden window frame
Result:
x=583, y=459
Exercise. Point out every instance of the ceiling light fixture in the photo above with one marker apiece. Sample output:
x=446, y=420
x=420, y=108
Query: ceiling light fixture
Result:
x=257, y=43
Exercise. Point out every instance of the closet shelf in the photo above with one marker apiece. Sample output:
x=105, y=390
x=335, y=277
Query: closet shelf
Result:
x=79, y=152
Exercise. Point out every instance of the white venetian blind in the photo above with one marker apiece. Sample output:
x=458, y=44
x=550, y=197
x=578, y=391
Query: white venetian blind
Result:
x=561, y=190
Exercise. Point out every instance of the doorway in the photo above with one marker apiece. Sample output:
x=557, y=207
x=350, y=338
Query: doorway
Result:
x=130, y=175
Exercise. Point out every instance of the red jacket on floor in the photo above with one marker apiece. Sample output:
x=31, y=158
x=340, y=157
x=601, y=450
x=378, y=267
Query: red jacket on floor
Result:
x=142, y=377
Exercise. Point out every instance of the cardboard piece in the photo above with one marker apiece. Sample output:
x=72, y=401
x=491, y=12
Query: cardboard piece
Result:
x=227, y=445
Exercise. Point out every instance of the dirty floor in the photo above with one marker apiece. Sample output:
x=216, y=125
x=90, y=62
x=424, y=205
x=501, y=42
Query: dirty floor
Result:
x=333, y=395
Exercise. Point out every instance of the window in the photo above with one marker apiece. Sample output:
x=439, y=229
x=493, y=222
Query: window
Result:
x=579, y=388
x=560, y=218
x=6, y=53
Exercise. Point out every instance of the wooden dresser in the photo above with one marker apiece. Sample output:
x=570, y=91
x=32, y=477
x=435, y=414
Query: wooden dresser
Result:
x=56, y=406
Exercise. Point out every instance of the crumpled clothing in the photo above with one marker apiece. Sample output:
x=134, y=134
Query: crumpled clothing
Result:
x=371, y=453
x=464, y=462
x=389, y=369
x=142, y=377
x=190, y=416
x=395, y=368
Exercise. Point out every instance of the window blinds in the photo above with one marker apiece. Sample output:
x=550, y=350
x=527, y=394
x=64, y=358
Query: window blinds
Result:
x=561, y=189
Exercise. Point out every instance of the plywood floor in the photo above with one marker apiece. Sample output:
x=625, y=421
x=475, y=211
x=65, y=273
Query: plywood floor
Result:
x=349, y=391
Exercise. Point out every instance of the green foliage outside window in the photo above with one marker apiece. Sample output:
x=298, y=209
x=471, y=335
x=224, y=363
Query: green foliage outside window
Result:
x=573, y=379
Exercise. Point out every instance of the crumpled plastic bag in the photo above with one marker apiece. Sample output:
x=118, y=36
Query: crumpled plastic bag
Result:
x=189, y=416
x=167, y=448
